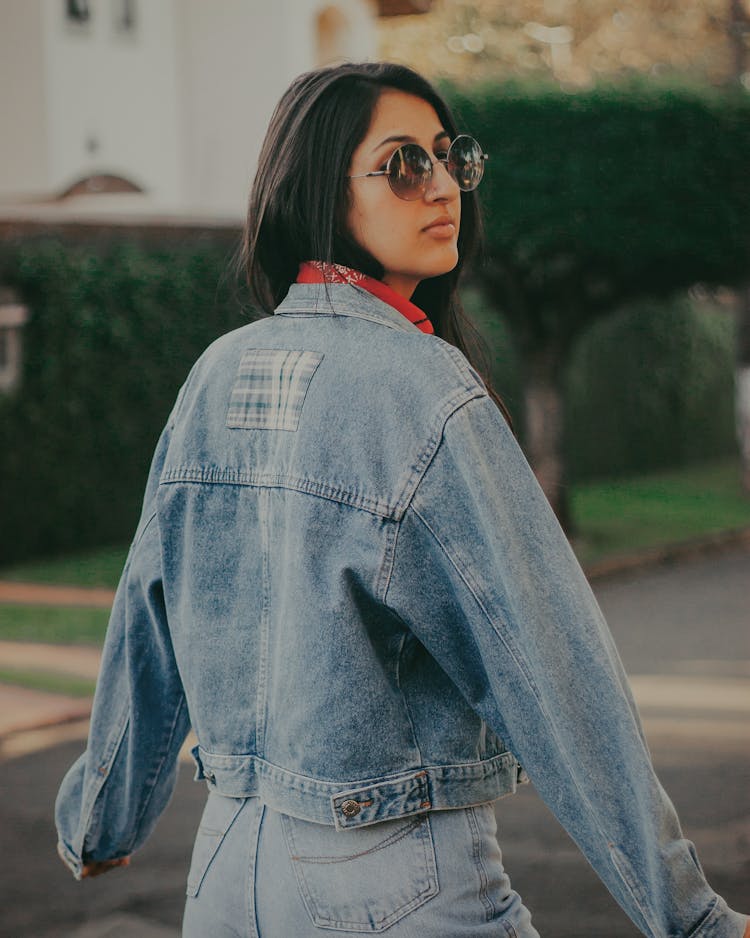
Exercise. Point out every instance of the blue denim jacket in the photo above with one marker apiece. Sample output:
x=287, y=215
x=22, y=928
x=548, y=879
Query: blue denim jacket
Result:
x=346, y=579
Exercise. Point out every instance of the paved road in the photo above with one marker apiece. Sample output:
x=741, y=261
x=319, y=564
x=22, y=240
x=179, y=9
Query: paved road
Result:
x=684, y=635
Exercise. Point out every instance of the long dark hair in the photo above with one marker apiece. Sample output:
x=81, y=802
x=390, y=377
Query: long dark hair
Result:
x=300, y=196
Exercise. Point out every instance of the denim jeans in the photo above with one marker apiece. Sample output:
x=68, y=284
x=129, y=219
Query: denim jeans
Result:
x=259, y=873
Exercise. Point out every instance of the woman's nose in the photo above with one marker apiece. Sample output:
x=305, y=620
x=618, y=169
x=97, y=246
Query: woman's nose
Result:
x=442, y=185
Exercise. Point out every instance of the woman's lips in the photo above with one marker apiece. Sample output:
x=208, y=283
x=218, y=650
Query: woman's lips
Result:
x=441, y=228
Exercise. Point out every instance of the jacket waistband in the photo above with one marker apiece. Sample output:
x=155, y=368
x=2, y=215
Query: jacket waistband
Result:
x=358, y=803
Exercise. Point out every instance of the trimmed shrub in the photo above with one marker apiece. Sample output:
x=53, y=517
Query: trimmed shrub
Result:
x=651, y=387
x=112, y=335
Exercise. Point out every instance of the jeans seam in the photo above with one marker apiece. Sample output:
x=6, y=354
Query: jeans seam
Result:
x=479, y=862
x=251, y=900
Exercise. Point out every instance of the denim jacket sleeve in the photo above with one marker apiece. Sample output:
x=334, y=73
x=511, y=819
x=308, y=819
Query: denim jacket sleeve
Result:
x=112, y=796
x=484, y=577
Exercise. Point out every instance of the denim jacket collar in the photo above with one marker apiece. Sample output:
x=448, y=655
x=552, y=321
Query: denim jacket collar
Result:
x=341, y=299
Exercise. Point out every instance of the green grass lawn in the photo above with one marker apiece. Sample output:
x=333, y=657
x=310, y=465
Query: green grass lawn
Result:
x=69, y=625
x=100, y=567
x=627, y=515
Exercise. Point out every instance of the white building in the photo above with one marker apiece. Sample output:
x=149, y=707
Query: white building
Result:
x=156, y=107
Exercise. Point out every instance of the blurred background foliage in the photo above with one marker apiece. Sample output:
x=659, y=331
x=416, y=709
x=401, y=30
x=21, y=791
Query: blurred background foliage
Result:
x=650, y=387
x=619, y=193
x=574, y=42
x=114, y=329
x=619, y=140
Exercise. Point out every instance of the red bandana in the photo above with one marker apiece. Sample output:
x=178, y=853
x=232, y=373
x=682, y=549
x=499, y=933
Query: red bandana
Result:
x=321, y=272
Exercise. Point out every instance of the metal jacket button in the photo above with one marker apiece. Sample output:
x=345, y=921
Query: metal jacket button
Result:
x=350, y=808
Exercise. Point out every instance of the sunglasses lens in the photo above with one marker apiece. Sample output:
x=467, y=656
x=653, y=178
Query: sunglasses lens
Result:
x=409, y=171
x=466, y=162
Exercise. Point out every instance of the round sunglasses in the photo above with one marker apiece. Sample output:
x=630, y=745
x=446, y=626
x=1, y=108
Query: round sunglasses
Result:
x=409, y=168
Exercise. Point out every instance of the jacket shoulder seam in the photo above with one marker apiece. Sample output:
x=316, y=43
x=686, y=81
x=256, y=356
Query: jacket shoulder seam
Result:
x=430, y=449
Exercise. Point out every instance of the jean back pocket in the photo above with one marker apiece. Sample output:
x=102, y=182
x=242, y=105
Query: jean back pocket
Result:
x=364, y=879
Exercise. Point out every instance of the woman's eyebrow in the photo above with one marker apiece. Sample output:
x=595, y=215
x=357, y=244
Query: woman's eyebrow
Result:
x=404, y=138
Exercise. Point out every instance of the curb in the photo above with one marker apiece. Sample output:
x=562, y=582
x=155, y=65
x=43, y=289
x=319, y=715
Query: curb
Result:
x=701, y=546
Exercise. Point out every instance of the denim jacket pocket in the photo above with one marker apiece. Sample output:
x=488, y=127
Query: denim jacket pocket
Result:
x=365, y=879
x=218, y=817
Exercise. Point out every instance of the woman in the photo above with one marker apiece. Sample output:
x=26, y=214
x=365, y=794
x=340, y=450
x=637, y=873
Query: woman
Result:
x=347, y=580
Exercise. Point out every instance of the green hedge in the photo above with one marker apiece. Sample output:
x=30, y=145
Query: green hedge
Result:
x=112, y=334
x=595, y=198
x=650, y=387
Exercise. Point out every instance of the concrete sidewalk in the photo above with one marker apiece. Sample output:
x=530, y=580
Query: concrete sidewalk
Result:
x=24, y=708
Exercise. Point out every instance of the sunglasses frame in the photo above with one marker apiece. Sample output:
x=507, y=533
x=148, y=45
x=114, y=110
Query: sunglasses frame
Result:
x=420, y=191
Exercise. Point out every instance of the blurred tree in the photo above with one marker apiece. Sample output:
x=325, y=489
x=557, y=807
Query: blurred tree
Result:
x=573, y=41
x=739, y=32
x=553, y=282
x=595, y=199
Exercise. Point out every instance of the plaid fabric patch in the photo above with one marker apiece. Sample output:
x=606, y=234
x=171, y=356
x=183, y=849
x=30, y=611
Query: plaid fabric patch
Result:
x=270, y=388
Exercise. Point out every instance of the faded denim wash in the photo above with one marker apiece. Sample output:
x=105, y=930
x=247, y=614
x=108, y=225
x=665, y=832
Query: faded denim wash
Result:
x=347, y=580
x=438, y=874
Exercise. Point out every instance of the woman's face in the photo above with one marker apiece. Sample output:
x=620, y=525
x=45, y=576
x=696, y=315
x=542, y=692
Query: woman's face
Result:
x=403, y=235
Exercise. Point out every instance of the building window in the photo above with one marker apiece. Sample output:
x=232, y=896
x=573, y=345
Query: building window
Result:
x=125, y=16
x=13, y=316
x=78, y=11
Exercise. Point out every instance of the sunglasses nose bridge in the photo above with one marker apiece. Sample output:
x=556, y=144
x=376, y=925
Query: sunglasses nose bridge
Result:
x=438, y=181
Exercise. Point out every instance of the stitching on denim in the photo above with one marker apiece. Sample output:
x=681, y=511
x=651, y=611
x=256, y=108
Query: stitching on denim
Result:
x=432, y=888
x=547, y=717
x=197, y=881
x=468, y=582
x=385, y=568
x=251, y=894
x=487, y=768
x=409, y=717
x=193, y=476
x=270, y=388
x=261, y=695
x=424, y=459
x=91, y=794
x=479, y=860
x=699, y=928
x=621, y=865
x=393, y=838
x=291, y=846
x=181, y=705
x=381, y=588
x=139, y=534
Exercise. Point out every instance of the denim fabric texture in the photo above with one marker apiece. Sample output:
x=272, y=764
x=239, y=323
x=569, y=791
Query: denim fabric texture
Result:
x=437, y=874
x=348, y=581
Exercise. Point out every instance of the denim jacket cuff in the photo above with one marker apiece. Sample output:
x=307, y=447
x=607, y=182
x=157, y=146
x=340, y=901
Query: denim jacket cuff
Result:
x=721, y=922
x=70, y=859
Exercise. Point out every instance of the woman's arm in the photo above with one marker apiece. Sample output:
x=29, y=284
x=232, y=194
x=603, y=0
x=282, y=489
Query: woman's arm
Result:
x=113, y=794
x=485, y=578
